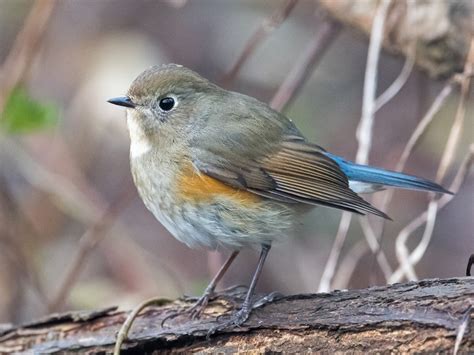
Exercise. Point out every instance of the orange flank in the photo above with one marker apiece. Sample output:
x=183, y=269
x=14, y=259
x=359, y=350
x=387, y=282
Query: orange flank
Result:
x=201, y=187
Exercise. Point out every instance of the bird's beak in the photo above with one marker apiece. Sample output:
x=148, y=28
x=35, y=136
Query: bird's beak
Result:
x=122, y=101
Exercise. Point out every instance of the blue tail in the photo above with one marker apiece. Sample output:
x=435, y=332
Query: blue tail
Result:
x=371, y=175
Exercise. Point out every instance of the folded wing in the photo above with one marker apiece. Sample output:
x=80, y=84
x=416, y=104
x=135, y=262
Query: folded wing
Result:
x=288, y=170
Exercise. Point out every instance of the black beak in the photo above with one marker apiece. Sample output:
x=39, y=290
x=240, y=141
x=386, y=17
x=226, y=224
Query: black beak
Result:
x=122, y=101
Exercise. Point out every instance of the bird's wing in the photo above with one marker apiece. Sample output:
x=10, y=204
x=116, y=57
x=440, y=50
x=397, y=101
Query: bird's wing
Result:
x=277, y=163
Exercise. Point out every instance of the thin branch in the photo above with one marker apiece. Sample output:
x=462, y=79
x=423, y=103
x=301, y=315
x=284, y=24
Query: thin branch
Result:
x=125, y=328
x=374, y=246
x=458, y=124
x=398, y=83
x=364, y=134
x=267, y=26
x=423, y=217
x=413, y=141
x=424, y=124
x=364, y=131
x=403, y=253
x=18, y=62
x=369, y=233
x=305, y=64
x=407, y=262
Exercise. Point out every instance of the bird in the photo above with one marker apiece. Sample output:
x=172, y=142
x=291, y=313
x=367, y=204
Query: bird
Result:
x=220, y=169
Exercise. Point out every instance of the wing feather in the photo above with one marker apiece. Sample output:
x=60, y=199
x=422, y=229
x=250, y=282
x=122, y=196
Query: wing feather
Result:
x=298, y=172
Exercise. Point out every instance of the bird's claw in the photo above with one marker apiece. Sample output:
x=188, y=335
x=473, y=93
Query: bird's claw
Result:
x=198, y=308
x=236, y=320
x=195, y=311
x=239, y=318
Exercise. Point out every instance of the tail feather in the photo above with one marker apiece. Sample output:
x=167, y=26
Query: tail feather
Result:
x=377, y=176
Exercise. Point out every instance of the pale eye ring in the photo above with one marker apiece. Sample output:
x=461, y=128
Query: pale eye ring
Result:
x=167, y=103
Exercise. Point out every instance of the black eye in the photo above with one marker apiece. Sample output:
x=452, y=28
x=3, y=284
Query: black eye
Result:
x=167, y=103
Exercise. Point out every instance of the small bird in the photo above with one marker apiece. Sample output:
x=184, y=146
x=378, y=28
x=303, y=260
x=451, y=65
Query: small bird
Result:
x=222, y=169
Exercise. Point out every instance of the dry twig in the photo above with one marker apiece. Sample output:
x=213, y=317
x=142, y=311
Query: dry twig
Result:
x=456, y=129
x=411, y=259
x=369, y=233
x=305, y=65
x=268, y=25
x=410, y=145
x=364, y=135
x=398, y=83
x=408, y=261
x=364, y=130
x=418, y=133
x=125, y=328
x=374, y=245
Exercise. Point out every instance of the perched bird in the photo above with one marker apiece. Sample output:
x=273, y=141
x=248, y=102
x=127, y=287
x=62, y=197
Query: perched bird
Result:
x=222, y=169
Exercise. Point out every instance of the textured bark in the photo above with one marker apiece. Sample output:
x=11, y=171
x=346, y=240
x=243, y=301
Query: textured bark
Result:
x=420, y=316
x=440, y=30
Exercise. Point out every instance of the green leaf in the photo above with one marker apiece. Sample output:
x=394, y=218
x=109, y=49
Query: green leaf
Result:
x=24, y=114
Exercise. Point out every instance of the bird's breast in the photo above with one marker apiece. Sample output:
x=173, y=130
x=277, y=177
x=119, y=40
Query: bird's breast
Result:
x=195, y=187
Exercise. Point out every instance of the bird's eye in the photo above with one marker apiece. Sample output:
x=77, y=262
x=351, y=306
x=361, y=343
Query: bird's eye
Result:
x=166, y=103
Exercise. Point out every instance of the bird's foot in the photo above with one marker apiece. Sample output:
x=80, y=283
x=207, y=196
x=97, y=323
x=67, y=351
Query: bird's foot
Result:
x=194, y=312
x=236, y=320
x=240, y=317
x=197, y=309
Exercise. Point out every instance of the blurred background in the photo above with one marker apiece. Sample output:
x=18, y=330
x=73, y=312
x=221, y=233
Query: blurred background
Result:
x=73, y=232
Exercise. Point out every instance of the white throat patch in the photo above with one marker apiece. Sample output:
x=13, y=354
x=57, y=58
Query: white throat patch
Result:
x=139, y=143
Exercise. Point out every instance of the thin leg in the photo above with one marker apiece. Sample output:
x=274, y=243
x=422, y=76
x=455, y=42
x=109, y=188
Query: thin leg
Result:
x=242, y=315
x=247, y=305
x=202, y=302
x=196, y=310
x=212, y=285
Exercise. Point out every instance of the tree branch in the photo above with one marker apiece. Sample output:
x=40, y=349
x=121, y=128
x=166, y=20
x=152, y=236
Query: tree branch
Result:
x=424, y=316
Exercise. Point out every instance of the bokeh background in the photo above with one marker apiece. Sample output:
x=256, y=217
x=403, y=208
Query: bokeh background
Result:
x=65, y=180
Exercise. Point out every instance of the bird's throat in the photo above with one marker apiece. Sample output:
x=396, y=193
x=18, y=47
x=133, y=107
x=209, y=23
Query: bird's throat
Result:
x=139, y=142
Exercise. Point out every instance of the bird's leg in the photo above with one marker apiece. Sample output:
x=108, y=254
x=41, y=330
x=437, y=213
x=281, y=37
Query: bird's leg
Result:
x=242, y=315
x=197, y=309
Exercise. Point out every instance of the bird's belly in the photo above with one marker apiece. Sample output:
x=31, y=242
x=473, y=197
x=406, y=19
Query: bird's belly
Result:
x=213, y=215
x=220, y=222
